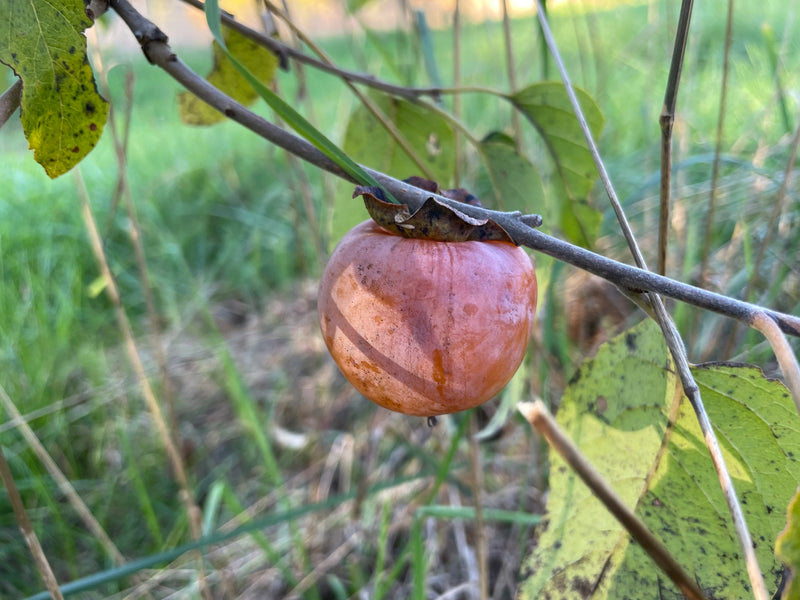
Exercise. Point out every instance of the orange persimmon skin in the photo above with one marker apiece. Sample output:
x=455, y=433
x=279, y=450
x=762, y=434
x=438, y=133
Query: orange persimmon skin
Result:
x=425, y=327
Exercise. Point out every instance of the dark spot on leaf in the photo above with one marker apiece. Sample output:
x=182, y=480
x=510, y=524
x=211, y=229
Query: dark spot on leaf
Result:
x=72, y=50
x=630, y=341
x=76, y=149
x=583, y=586
x=90, y=108
x=92, y=127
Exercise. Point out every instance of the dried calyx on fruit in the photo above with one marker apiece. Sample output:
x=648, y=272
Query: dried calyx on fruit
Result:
x=426, y=326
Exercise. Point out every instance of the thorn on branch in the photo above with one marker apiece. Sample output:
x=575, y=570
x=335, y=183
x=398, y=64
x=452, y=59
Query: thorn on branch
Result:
x=531, y=220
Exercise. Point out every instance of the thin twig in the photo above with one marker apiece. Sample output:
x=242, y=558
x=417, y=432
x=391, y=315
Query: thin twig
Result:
x=9, y=101
x=623, y=275
x=283, y=51
x=540, y=418
x=712, y=196
x=666, y=120
x=61, y=480
x=25, y=526
x=587, y=134
x=193, y=513
x=669, y=330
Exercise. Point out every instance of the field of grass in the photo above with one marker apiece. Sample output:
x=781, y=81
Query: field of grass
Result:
x=335, y=497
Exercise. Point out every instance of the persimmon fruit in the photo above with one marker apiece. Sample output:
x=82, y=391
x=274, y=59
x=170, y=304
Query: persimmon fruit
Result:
x=426, y=327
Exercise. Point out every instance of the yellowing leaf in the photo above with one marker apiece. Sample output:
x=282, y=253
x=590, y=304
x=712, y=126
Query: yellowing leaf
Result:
x=626, y=411
x=225, y=76
x=62, y=114
x=788, y=548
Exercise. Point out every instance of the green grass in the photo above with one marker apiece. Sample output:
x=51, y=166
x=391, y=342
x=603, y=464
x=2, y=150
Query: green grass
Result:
x=222, y=225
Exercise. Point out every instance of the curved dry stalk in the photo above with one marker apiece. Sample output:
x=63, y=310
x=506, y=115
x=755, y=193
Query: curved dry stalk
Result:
x=783, y=352
x=668, y=328
x=25, y=526
x=540, y=418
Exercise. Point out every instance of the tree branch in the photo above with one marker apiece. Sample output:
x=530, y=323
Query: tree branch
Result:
x=154, y=44
x=9, y=101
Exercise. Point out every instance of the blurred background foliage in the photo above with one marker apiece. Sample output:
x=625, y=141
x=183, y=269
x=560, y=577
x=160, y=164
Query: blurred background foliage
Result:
x=233, y=251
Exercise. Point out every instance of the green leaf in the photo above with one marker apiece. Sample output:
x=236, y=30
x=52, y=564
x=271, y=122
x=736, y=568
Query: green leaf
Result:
x=547, y=106
x=366, y=140
x=617, y=409
x=515, y=181
x=225, y=76
x=62, y=114
x=788, y=547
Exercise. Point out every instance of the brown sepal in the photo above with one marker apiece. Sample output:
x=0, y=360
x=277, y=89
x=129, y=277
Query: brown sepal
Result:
x=433, y=221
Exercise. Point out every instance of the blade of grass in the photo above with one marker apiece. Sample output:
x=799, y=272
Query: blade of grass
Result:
x=380, y=559
x=139, y=486
x=418, y=562
x=284, y=516
x=441, y=511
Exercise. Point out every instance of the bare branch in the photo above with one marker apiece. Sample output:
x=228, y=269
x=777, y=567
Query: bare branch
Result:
x=540, y=418
x=621, y=274
x=9, y=101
